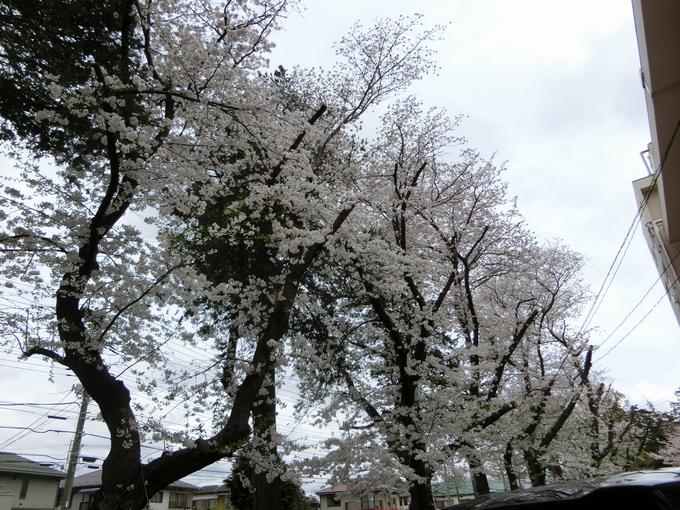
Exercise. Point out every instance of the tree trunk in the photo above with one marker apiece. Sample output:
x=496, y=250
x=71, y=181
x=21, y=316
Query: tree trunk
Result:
x=480, y=484
x=266, y=493
x=509, y=468
x=421, y=495
x=556, y=471
x=534, y=467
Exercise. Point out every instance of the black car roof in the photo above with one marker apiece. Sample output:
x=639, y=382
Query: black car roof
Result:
x=572, y=490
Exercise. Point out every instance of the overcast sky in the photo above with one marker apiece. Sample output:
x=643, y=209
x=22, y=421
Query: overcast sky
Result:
x=553, y=88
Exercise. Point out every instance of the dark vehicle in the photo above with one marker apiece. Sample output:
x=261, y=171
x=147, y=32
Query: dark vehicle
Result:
x=634, y=490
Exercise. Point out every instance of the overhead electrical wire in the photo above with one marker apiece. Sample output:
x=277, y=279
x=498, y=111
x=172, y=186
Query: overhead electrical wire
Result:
x=285, y=428
x=640, y=301
x=649, y=312
x=36, y=404
x=625, y=244
x=36, y=423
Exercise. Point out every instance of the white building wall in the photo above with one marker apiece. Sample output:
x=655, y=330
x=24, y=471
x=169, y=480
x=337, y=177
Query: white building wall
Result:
x=41, y=492
x=348, y=502
x=163, y=505
x=75, y=500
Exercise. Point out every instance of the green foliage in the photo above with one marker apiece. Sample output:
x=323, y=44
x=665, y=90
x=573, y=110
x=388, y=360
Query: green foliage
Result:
x=244, y=250
x=41, y=40
x=650, y=437
x=241, y=497
x=289, y=494
x=675, y=407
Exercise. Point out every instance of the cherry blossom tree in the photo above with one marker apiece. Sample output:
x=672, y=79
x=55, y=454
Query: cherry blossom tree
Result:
x=548, y=408
x=547, y=284
x=418, y=321
x=608, y=435
x=172, y=188
x=576, y=426
x=670, y=452
x=166, y=115
x=551, y=367
x=262, y=229
x=146, y=76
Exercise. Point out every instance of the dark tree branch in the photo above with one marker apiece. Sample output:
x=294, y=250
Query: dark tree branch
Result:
x=42, y=351
x=516, y=340
x=566, y=412
x=296, y=143
x=136, y=300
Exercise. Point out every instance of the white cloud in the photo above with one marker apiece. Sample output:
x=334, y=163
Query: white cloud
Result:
x=643, y=392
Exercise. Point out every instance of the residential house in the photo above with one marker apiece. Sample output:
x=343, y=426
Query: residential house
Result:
x=658, y=194
x=27, y=485
x=447, y=494
x=176, y=496
x=211, y=497
x=340, y=497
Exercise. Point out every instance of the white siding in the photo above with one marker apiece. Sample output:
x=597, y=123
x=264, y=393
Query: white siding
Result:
x=41, y=492
x=163, y=505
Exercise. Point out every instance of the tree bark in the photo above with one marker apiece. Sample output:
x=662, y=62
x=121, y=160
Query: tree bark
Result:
x=556, y=471
x=509, y=468
x=534, y=467
x=421, y=495
x=266, y=493
x=480, y=483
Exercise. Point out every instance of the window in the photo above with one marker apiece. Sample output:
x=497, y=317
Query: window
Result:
x=85, y=501
x=24, y=488
x=332, y=500
x=156, y=498
x=178, y=500
x=368, y=502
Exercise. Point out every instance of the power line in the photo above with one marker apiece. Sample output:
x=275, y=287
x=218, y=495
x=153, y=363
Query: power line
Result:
x=611, y=334
x=33, y=455
x=36, y=423
x=35, y=431
x=9, y=404
x=640, y=321
x=34, y=413
x=623, y=248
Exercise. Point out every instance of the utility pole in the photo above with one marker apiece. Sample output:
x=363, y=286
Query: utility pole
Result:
x=74, y=454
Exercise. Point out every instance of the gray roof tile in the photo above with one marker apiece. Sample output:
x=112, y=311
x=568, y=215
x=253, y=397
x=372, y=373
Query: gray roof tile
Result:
x=13, y=463
x=94, y=479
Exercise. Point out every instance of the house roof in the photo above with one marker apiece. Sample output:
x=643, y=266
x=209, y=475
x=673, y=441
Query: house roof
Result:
x=438, y=490
x=464, y=488
x=212, y=489
x=94, y=479
x=333, y=489
x=13, y=463
x=336, y=489
x=206, y=489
